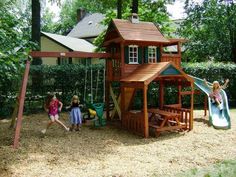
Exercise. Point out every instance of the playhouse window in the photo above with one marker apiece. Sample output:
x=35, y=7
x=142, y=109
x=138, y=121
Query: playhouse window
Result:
x=133, y=54
x=152, y=54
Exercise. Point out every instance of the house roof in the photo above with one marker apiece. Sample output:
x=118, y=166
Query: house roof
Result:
x=142, y=31
x=71, y=43
x=146, y=73
x=90, y=26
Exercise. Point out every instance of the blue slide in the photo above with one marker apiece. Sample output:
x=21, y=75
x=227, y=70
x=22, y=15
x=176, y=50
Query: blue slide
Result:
x=220, y=119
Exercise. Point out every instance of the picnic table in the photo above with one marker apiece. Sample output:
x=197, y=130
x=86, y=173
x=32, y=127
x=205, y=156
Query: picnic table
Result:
x=165, y=120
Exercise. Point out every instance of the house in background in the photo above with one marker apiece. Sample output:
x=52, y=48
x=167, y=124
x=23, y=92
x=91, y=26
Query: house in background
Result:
x=88, y=27
x=59, y=43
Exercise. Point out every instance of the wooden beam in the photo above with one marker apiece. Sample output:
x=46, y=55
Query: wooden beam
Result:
x=107, y=98
x=191, y=109
x=179, y=94
x=145, y=112
x=205, y=105
x=122, y=92
x=133, y=84
x=161, y=95
x=74, y=54
x=115, y=110
x=116, y=40
x=21, y=105
x=122, y=58
x=117, y=106
x=190, y=92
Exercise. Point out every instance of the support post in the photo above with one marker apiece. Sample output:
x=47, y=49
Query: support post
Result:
x=122, y=59
x=191, y=109
x=21, y=105
x=107, y=98
x=179, y=94
x=161, y=95
x=145, y=112
x=122, y=94
x=205, y=105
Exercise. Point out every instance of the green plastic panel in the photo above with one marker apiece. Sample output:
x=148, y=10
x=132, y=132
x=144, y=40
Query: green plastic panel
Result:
x=170, y=71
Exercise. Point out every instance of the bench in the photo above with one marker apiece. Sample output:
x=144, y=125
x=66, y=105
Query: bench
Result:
x=168, y=120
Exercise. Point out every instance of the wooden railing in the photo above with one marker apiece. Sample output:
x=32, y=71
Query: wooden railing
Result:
x=132, y=121
x=174, y=58
x=185, y=114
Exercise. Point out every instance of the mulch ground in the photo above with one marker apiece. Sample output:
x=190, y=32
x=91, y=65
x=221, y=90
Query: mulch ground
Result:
x=110, y=151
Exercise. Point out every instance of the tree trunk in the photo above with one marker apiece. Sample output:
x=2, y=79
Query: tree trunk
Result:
x=36, y=28
x=119, y=9
x=135, y=6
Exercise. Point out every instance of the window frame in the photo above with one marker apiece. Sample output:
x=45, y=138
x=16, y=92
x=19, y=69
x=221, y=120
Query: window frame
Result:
x=132, y=57
x=153, y=57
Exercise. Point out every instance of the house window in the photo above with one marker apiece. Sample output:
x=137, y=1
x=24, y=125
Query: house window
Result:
x=64, y=61
x=133, y=54
x=152, y=54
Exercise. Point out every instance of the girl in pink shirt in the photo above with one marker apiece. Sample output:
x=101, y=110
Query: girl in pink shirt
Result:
x=53, y=106
x=215, y=94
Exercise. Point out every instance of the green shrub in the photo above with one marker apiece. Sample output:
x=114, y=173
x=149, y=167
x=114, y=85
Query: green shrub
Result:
x=214, y=71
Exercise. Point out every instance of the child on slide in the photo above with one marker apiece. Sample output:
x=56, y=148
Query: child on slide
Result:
x=53, y=106
x=215, y=94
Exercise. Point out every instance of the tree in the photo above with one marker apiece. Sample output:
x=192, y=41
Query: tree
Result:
x=152, y=11
x=210, y=28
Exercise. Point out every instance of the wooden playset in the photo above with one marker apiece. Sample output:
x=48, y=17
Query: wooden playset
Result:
x=135, y=57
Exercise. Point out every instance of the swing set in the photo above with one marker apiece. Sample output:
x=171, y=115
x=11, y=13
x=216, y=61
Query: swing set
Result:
x=51, y=55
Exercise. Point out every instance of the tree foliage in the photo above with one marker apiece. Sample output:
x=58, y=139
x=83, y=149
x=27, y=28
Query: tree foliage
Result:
x=151, y=11
x=210, y=28
x=14, y=40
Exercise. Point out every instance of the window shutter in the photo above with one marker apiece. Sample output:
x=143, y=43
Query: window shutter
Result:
x=146, y=55
x=140, y=55
x=126, y=54
x=158, y=54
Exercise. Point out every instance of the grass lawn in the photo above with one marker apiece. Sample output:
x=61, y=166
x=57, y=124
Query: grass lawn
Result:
x=110, y=151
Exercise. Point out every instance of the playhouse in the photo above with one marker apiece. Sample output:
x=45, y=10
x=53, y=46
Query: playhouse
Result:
x=138, y=58
x=135, y=58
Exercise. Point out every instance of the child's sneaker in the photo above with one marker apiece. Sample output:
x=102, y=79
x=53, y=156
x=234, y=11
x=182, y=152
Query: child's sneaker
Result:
x=43, y=131
x=220, y=107
x=67, y=129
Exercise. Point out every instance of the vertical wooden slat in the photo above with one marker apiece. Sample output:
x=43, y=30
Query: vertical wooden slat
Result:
x=21, y=105
x=122, y=58
x=124, y=122
x=146, y=127
x=205, y=105
x=107, y=98
x=161, y=95
x=191, y=109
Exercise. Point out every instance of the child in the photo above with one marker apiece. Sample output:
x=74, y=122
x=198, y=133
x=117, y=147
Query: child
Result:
x=75, y=114
x=215, y=95
x=53, y=106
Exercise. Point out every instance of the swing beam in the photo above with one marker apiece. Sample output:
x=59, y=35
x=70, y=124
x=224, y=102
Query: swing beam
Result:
x=35, y=54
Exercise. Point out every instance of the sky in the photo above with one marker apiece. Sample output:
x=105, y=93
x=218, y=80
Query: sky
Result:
x=176, y=10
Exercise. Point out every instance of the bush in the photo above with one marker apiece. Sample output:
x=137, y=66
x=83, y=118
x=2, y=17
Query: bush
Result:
x=214, y=71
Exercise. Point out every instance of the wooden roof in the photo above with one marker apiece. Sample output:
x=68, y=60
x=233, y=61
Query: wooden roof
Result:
x=146, y=73
x=139, y=32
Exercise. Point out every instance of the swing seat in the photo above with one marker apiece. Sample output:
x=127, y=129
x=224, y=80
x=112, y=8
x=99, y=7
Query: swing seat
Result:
x=92, y=112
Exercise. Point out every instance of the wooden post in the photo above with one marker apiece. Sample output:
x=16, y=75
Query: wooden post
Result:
x=179, y=95
x=122, y=58
x=161, y=94
x=145, y=112
x=122, y=93
x=21, y=105
x=179, y=48
x=205, y=105
x=191, y=109
x=107, y=98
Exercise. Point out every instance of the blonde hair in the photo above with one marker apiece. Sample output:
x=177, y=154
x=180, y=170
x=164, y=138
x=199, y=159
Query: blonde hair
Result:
x=216, y=85
x=75, y=97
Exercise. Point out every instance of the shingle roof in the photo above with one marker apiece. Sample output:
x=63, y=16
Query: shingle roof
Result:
x=146, y=73
x=89, y=26
x=142, y=31
x=72, y=43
